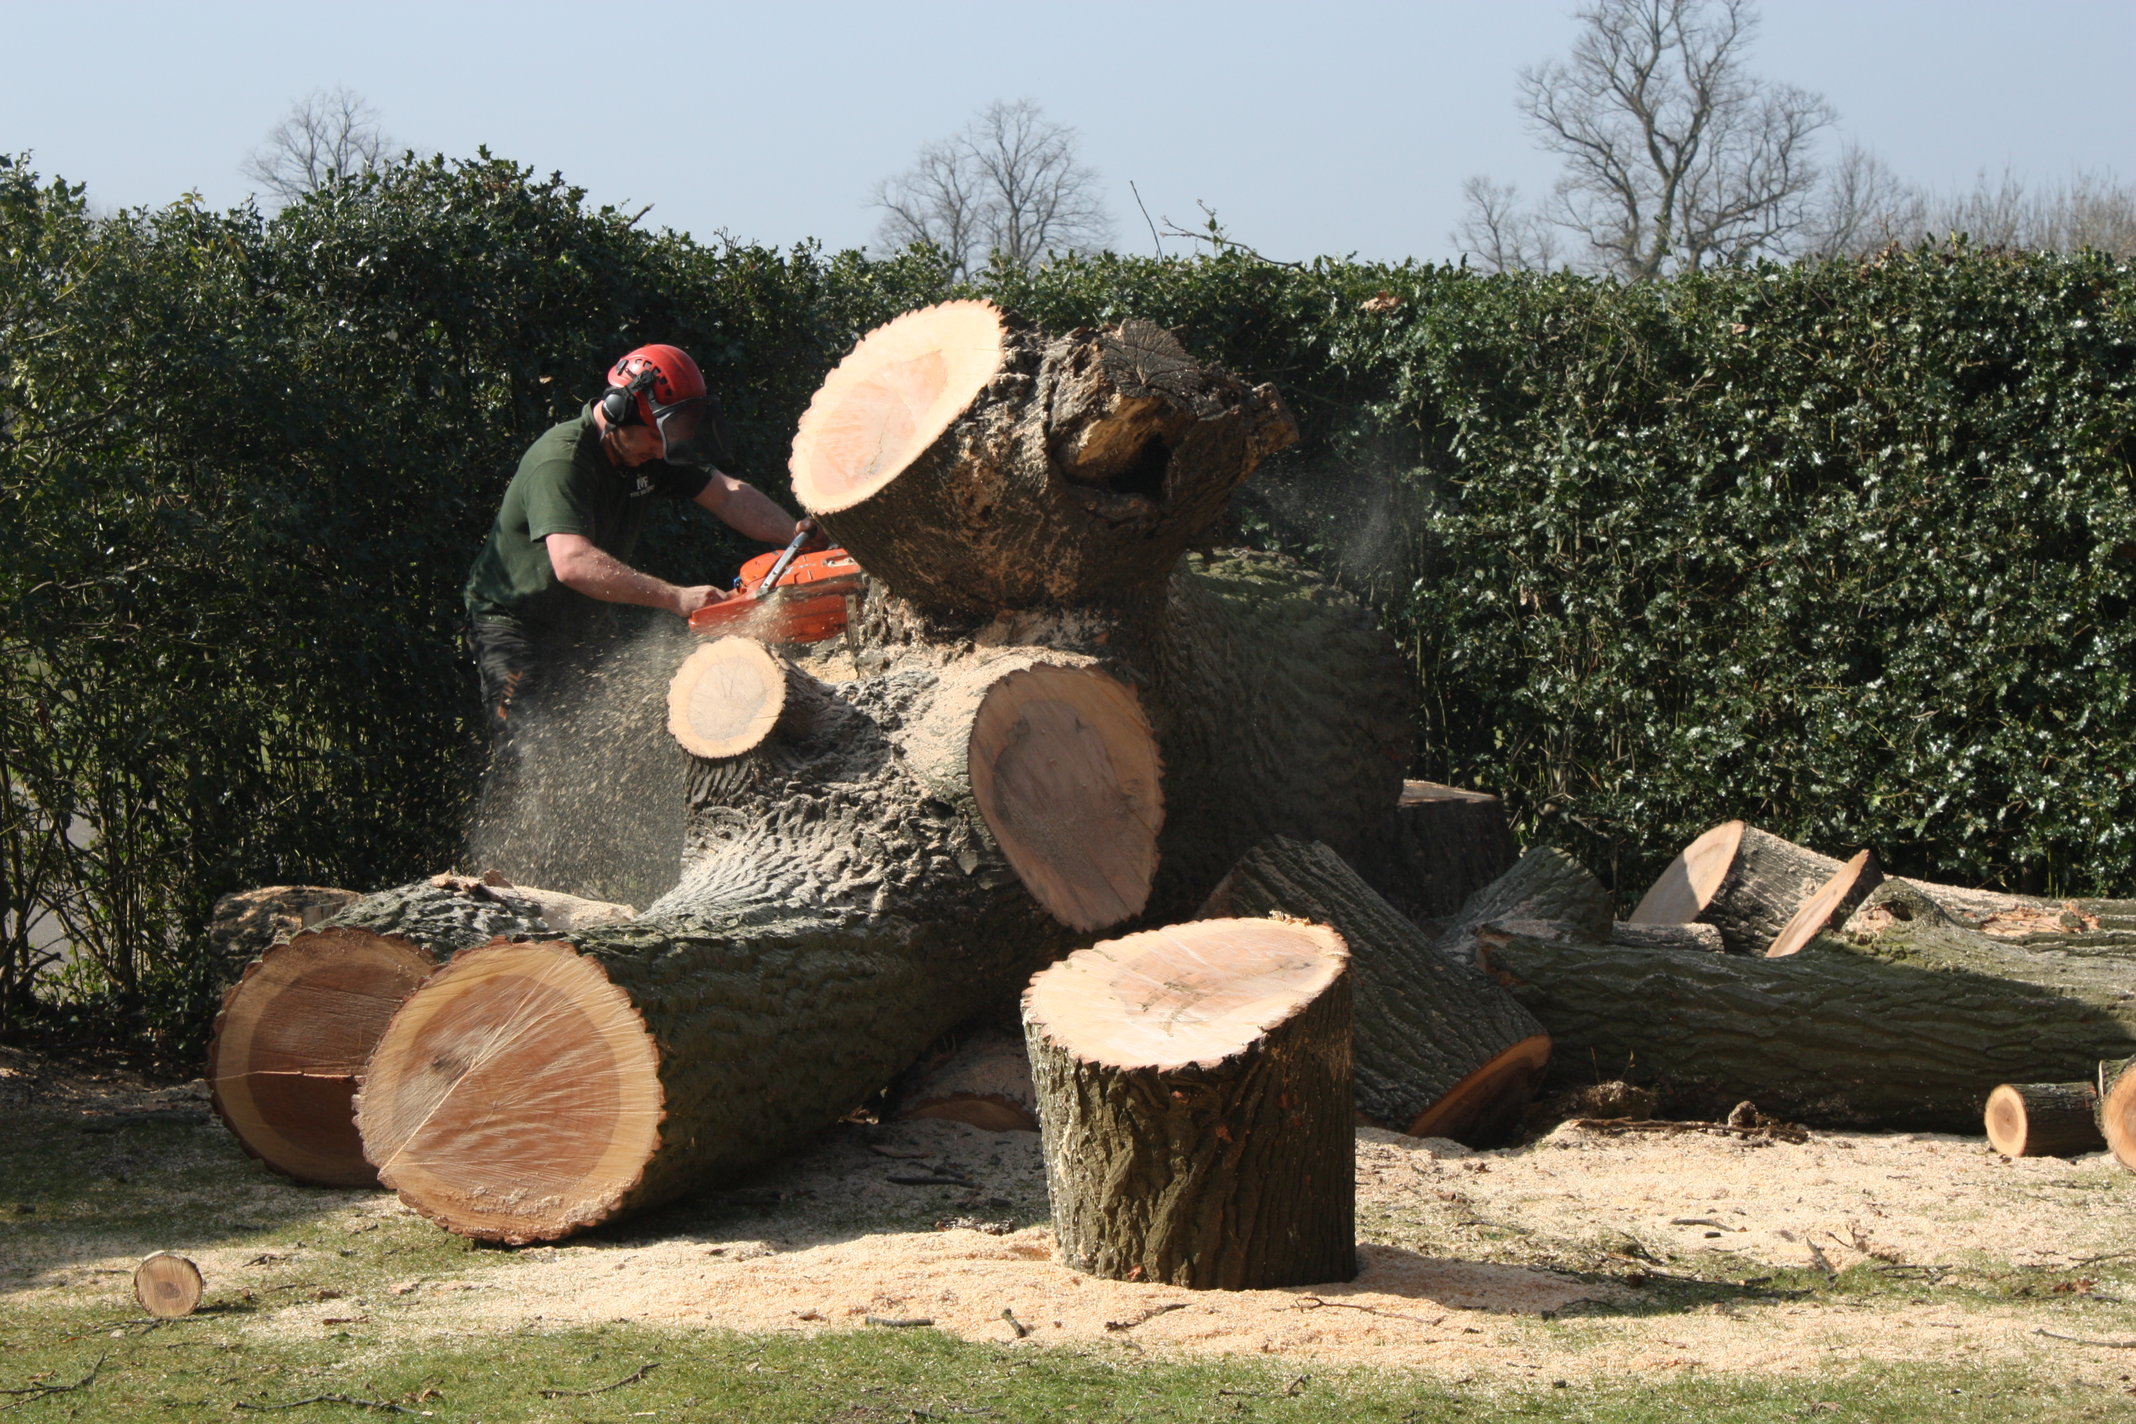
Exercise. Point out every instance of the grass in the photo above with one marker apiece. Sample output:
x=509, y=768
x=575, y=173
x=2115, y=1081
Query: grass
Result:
x=102, y=1185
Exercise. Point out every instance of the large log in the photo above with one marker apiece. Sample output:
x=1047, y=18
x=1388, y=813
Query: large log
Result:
x=296, y=1027
x=1194, y=1095
x=954, y=798
x=1901, y=1023
x=973, y=463
x=1441, y=1051
x=1743, y=882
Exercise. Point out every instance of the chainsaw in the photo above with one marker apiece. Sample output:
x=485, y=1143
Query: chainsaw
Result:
x=786, y=597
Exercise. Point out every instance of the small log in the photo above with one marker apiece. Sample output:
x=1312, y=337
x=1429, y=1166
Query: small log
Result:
x=2044, y=1119
x=726, y=697
x=1441, y=846
x=982, y=1078
x=1544, y=884
x=1194, y=1091
x=1441, y=1051
x=1830, y=903
x=2116, y=1080
x=167, y=1286
x=297, y=1027
x=974, y=464
x=1735, y=877
x=1911, y=1026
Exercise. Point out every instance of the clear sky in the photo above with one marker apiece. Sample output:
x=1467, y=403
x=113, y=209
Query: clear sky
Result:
x=1338, y=127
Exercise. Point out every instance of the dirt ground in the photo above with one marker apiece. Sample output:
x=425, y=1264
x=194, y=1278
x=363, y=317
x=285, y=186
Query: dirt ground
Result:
x=1583, y=1253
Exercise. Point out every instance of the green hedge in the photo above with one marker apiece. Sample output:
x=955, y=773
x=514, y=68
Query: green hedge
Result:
x=1842, y=548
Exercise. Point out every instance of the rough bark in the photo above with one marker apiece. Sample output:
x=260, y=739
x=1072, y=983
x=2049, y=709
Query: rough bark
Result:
x=1194, y=1093
x=2044, y=1119
x=296, y=1028
x=246, y=922
x=971, y=463
x=1909, y=1027
x=1441, y=1051
x=1544, y=884
x=1441, y=846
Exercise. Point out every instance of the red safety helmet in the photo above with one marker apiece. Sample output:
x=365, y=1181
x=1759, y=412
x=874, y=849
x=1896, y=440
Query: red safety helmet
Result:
x=660, y=386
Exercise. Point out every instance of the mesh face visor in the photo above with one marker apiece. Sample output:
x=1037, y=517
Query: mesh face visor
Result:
x=689, y=431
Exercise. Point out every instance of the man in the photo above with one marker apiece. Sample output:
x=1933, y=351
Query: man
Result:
x=572, y=515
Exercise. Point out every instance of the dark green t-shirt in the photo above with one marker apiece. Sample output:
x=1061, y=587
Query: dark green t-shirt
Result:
x=565, y=485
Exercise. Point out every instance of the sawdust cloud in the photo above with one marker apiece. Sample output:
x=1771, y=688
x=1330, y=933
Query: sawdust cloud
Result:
x=1356, y=514
x=590, y=799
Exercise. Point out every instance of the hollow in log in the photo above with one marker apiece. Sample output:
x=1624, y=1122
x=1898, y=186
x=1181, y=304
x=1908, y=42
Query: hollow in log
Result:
x=1194, y=1093
x=1441, y=1051
x=2043, y=1119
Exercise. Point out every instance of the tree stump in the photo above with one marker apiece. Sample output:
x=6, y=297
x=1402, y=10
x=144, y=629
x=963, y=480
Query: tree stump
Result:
x=2044, y=1119
x=1194, y=1091
x=1441, y=1051
x=1441, y=846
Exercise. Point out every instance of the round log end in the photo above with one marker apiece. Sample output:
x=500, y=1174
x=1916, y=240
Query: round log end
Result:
x=1188, y=995
x=726, y=697
x=2043, y=1119
x=1688, y=884
x=2005, y=1120
x=1495, y=1092
x=167, y=1286
x=1066, y=775
x=516, y=1098
x=2117, y=1115
x=293, y=1035
x=1830, y=903
x=892, y=397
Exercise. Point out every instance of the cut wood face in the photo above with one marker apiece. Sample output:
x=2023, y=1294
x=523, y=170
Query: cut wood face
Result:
x=1824, y=905
x=1497, y=1090
x=516, y=1100
x=2117, y=1117
x=1187, y=994
x=890, y=399
x=167, y=1286
x=726, y=697
x=1688, y=884
x=293, y=1035
x=2005, y=1121
x=1066, y=775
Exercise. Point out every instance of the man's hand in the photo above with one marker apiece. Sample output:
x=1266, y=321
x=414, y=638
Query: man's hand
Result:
x=703, y=595
x=816, y=539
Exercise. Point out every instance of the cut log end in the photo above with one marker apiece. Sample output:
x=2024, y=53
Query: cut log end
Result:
x=2043, y=1119
x=292, y=1037
x=1830, y=904
x=1688, y=882
x=167, y=1286
x=726, y=697
x=1188, y=995
x=2117, y=1110
x=517, y=1098
x=892, y=397
x=1493, y=1094
x=1066, y=775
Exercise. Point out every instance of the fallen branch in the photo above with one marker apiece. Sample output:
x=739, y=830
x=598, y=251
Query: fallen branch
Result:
x=1771, y=1131
x=1146, y=1317
x=898, y=1322
x=2080, y=1340
x=39, y=1391
x=1314, y=1302
x=632, y=1378
x=381, y=1405
x=1018, y=1326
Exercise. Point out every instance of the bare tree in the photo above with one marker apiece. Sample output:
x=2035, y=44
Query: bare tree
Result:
x=1865, y=208
x=1500, y=234
x=1008, y=183
x=328, y=132
x=1676, y=156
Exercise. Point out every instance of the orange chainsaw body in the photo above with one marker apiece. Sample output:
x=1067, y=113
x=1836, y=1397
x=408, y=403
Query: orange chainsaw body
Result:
x=808, y=604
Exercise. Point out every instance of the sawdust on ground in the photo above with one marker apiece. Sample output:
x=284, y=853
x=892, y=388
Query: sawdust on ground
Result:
x=1531, y=1263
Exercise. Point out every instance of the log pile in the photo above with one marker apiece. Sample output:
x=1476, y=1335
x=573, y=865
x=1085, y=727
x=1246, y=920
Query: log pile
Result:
x=1053, y=720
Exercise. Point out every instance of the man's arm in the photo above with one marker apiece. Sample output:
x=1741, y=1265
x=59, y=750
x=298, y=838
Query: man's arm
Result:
x=586, y=568
x=746, y=509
